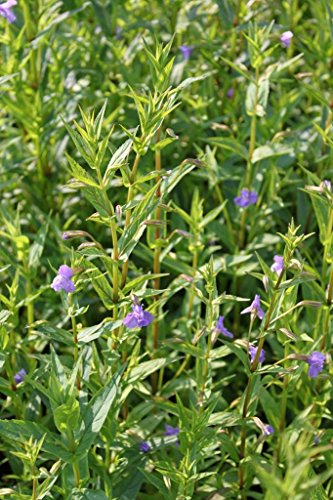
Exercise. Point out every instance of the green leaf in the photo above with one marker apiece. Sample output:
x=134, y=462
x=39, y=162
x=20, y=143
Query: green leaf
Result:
x=96, y=412
x=21, y=431
x=56, y=334
x=132, y=233
x=144, y=369
x=85, y=494
x=271, y=150
x=37, y=248
x=229, y=144
x=100, y=284
x=66, y=416
x=94, y=332
x=119, y=158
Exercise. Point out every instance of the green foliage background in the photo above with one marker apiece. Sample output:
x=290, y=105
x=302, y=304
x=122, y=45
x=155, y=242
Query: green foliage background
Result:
x=110, y=134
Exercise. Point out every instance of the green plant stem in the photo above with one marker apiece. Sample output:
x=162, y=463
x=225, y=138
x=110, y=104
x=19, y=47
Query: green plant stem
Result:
x=252, y=144
x=30, y=306
x=130, y=195
x=225, y=213
x=194, y=267
x=253, y=369
x=28, y=291
x=157, y=249
x=327, y=245
x=207, y=356
x=115, y=253
x=75, y=338
x=34, y=483
x=157, y=256
x=76, y=470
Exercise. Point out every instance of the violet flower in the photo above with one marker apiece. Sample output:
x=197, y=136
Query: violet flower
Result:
x=253, y=352
x=186, y=50
x=144, y=447
x=222, y=329
x=230, y=93
x=286, y=37
x=268, y=430
x=255, y=308
x=63, y=280
x=20, y=376
x=6, y=12
x=171, y=431
x=246, y=198
x=316, y=362
x=138, y=317
x=327, y=184
x=277, y=267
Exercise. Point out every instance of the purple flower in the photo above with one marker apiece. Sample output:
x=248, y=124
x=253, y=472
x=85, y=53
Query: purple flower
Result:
x=66, y=271
x=328, y=184
x=277, y=267
x=138, y=318
x=222, y=329
x=20, y=376
x=63, y=280
x=186, y=50
x=253, y=352
x=64, y=236
x=246, y=198
x=171, y=431
x=144, y=447
x=316, y=362
x=286, y=37
x=5, y=10
x=268, y=429
x=255, y=308
x=230, y=93
x=119, y=33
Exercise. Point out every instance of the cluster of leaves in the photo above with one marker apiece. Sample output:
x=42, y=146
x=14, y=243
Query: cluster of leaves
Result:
x=122, y=158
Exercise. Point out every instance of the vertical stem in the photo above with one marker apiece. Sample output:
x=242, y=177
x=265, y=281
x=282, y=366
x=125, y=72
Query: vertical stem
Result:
x=157, y=250
x=225, y=212
x=130, y=195
x=76, y=346
x=253, y=369
x=195, y=267
x=157, y=255
x=252, y=144
x=115, y=253
x=207, y=356
x=28, y=291
x=76, y=470
x=253, y=133
x=327, y=245
x=34, y=483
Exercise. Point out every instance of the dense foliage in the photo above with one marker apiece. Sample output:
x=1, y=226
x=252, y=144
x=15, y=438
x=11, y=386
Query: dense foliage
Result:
x=166, y=249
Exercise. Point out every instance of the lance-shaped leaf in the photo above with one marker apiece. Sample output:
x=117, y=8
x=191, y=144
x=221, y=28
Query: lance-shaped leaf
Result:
x=132, y=234
x=96, y=413
x=20, y=431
